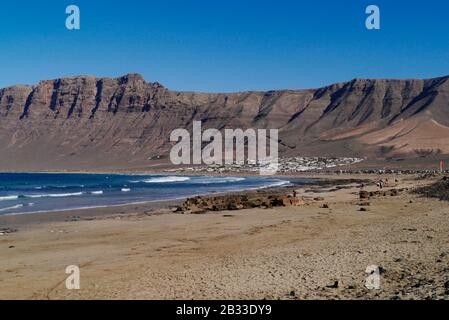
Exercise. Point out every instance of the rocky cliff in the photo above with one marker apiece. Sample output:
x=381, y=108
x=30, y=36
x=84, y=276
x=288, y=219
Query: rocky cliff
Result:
x=88, y=122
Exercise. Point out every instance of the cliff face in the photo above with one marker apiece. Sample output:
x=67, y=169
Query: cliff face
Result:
x=88, y=122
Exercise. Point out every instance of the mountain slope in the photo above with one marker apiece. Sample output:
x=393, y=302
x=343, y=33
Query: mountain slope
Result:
x=88, y=122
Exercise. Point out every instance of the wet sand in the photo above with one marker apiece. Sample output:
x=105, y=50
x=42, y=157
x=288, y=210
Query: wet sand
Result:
x=304, y=252
x=20, y=220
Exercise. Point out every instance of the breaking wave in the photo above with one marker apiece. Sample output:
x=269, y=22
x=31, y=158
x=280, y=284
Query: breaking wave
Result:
x=53, y=195
x=164, y=180
x=193, y=180
x=6, y=198
x=278, y=184
x=213, y=180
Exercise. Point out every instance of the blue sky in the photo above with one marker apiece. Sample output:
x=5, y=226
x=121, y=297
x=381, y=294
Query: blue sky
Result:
x=217, y=45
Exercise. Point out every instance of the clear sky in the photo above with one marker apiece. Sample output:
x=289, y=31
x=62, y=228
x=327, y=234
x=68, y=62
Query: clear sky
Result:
x=224, y=45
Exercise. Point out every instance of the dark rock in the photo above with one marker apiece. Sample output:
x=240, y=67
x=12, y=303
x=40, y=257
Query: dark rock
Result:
x=364, y=194
x=367, y=195
x=7, y=230
x=334, y=285
x=200, y=205
x=446, y=287
x=351, y=287
x=439, y=189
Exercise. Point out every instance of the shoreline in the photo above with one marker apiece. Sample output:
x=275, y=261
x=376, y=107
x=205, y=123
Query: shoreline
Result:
x=150, y=207
x=45, y=217
x=20, y=219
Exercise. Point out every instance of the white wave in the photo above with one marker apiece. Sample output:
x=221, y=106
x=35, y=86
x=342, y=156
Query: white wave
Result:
x=278, y=184
x=271, y=185
x=12, y=208
x=6, y=198
x=126, y=190
x=97, y=192
x=166, y=179
x=217, y=180
x=55, y=195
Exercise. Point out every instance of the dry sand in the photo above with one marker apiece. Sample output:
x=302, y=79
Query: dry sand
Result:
x=301, y=252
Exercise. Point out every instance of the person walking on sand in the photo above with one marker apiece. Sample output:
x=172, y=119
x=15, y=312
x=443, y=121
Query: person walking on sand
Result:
x=380, y=184
x=294, y=194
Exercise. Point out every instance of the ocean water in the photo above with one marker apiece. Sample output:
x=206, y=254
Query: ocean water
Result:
x=41, y=192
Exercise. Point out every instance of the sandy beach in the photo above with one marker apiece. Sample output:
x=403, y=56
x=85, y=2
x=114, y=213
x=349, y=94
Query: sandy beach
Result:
x=319, y=250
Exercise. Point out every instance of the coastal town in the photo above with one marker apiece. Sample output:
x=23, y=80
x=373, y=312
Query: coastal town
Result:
x=284, y=166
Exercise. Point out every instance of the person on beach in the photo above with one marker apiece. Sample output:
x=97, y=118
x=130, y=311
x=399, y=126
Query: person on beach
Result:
x=380, y=184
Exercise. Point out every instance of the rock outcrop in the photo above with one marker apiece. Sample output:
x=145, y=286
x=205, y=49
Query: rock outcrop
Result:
x=380, y=193
x=200, y=204
x=439, y=189
x=88, y=122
